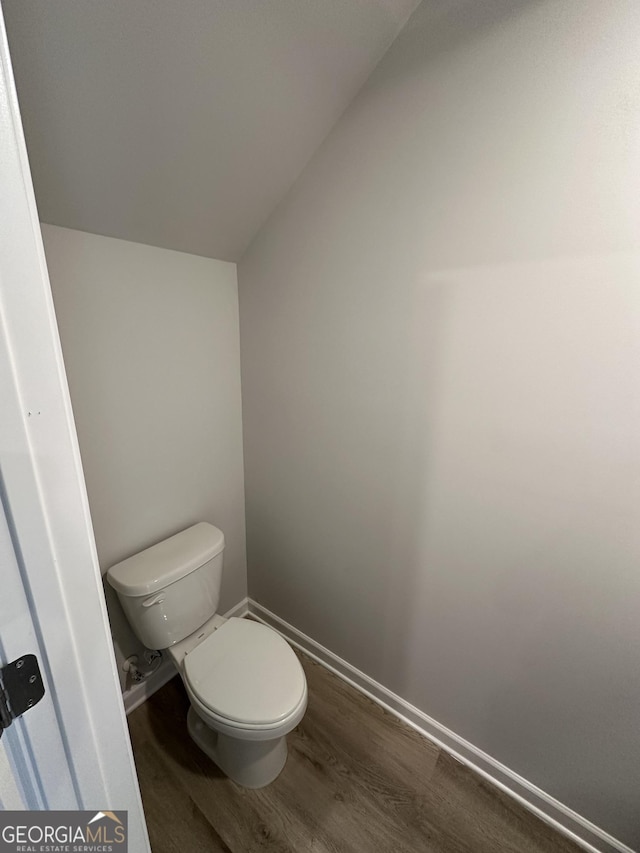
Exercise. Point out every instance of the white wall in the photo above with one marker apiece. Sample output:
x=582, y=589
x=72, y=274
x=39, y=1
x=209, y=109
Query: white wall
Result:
x=150, y=342
x=441, y=389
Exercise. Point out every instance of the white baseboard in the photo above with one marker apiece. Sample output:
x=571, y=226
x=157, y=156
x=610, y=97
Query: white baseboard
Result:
x=548, y=809
x=135, y=695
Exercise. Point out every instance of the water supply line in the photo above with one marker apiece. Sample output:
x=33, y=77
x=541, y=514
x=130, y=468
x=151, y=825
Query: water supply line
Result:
x=152, y=660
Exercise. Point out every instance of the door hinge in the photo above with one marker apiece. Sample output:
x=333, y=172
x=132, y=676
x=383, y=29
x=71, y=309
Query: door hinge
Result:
x=21, y=688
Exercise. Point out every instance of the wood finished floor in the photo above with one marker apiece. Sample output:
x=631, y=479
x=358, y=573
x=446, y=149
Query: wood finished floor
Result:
x=356, y=781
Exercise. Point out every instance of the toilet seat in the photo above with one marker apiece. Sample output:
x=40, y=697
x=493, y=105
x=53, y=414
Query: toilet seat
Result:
x=244, y=676
x=238, y=732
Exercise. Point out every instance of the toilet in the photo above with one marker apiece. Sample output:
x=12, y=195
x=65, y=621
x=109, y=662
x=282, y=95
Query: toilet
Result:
x=246, y=686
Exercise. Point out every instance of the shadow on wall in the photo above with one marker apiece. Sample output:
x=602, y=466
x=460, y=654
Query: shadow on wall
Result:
x=521, y=533
x=445, y=26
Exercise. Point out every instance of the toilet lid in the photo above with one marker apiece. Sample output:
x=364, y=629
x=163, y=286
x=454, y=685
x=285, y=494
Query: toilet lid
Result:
x=245, y=672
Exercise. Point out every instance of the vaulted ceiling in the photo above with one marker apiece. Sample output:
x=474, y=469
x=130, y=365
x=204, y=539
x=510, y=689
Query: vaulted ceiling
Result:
x=182, y=123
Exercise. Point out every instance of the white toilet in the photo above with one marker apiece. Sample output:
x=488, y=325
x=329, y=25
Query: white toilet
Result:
x=246, y=686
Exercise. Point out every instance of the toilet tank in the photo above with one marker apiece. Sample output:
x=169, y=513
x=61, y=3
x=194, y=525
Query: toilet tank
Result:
x=169, y=590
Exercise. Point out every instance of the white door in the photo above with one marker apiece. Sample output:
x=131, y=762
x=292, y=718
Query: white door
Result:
x=25, y=784
x=71, y=750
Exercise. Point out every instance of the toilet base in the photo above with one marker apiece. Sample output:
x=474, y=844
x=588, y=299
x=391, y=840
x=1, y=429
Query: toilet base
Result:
x=250, y=763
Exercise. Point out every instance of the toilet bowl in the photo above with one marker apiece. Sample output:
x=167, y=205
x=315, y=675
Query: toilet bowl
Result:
x=247, y=691
x=246, y=686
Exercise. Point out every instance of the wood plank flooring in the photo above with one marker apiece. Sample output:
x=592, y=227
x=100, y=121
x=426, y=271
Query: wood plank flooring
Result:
x=357, y=780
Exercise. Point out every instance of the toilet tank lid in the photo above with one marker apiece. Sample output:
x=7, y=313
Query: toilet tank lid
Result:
x=165, y=563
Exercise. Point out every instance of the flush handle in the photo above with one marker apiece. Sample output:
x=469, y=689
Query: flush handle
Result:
x=156, y=599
